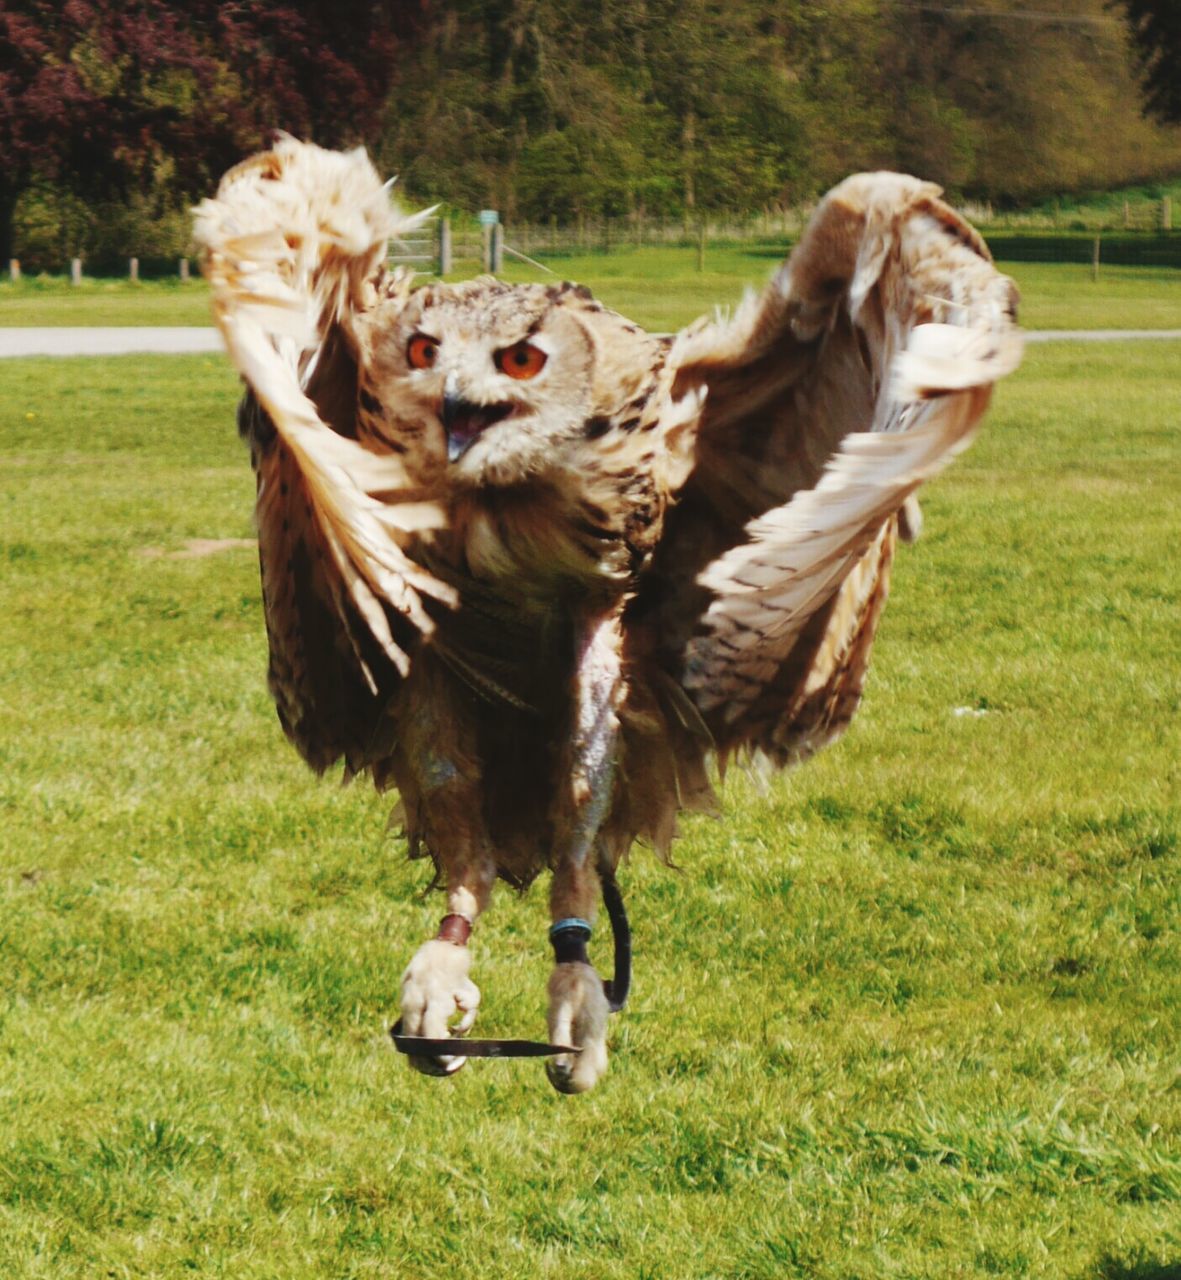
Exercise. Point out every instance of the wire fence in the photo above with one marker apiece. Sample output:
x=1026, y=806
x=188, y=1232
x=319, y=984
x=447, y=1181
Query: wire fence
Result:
x=459, y=243
x=547, y=245
x=1124, y=249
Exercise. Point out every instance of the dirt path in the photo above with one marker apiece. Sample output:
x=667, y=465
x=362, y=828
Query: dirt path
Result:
x=79, y=341
x=1099, y=335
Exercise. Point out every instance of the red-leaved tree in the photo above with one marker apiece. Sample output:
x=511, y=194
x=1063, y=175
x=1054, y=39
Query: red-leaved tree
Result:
x=104, y=96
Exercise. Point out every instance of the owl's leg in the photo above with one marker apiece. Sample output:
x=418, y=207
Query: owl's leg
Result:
x=578, y=1006
x=445, y=784
x=439, y=999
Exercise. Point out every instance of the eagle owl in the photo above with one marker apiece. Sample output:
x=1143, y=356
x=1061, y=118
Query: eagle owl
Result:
x=535, y=567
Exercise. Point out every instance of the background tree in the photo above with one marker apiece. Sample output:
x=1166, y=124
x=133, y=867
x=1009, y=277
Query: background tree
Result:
x=125, y=111
x=695, y=106
x=110, y=99
x=1156, y=33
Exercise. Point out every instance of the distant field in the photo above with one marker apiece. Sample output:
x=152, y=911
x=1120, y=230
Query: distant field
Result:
x=54, y=301
x=1138, y=206
x=912, y=1011
x=668, y=291
x=660, y=288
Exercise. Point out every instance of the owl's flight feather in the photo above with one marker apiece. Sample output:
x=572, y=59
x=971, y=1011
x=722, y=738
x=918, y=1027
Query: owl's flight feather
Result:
x=291, y=245
x=860, y=371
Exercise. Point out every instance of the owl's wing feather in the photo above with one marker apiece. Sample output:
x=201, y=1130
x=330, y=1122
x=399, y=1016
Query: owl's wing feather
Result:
x=859, y=373
x=291, y=244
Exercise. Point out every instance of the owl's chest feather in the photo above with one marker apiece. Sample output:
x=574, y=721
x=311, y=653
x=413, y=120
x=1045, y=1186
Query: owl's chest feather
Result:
x=526, y=567
x=545, y=541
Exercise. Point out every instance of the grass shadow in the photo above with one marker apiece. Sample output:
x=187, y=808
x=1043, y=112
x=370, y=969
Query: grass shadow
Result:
x=1137, y=1268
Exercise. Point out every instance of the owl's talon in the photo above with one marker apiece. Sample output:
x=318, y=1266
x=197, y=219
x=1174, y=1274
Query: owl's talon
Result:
x=439, y=1067
x=435, y=987
x=429, y=1064
x=578, y=1012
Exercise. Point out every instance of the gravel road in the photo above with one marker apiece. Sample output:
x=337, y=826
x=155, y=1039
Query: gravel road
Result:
x=81, y=341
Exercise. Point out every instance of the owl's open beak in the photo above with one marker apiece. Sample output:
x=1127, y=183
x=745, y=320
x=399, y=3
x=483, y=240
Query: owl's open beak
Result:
x=463, y=422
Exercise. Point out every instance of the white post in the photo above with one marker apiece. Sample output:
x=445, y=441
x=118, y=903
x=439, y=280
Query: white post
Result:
x=183, y=268
x=133, y=269
x=75, y=270
x=497, y=254
x=14, y=269
x=444, y=263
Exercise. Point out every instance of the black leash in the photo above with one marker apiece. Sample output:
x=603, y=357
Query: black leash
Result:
x=457, y=1046
x=618, y=986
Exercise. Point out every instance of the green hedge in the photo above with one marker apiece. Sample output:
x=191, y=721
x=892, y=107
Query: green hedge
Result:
x=1125, y=249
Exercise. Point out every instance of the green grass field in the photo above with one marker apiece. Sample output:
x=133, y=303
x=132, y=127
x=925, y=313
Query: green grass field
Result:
x=661, y=288
x=911, y=1011
x=54, y=301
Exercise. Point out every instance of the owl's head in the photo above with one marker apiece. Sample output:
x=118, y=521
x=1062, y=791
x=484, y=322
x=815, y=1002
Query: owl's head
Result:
x=496, y=384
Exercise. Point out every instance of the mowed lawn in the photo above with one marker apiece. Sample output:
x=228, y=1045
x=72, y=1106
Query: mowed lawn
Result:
x=911, y=1011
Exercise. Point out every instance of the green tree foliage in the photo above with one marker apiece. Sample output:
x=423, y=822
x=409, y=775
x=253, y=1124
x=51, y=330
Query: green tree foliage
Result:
x=1156, y=30
x=570, y=107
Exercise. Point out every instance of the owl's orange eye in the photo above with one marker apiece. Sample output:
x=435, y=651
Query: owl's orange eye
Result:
x=521, y=360
x=422, y=352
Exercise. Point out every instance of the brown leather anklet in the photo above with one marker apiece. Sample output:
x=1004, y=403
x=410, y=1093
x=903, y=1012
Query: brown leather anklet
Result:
x=455, y=928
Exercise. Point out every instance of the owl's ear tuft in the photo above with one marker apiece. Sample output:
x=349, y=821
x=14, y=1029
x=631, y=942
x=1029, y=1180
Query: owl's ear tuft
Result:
x=568, y=289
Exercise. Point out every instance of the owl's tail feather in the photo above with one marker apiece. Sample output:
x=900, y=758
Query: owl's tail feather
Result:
x=291, y=246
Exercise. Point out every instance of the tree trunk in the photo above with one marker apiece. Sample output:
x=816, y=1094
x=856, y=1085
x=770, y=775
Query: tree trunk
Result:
x=8, y=197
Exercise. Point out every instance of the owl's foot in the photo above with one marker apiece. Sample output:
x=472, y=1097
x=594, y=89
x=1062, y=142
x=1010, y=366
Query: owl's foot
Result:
x=578, y=1013
x=435, y=988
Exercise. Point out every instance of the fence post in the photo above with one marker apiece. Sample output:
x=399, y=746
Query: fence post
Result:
x=444, y=263
x=1166, y=214
x=701, y=247
x=133, y=270
x=497, y=249
x=14, y=269
x=75, y=270
x=1095, y=260
x=183, y=268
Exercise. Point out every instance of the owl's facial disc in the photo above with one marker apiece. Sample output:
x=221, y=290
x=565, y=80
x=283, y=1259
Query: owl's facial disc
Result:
x=492, y=382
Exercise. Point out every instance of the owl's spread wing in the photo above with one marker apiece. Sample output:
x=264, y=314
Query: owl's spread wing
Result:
x=858, y=373
x=291, y=246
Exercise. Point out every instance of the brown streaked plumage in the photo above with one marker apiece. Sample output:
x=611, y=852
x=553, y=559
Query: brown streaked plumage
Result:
x=533, y=566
